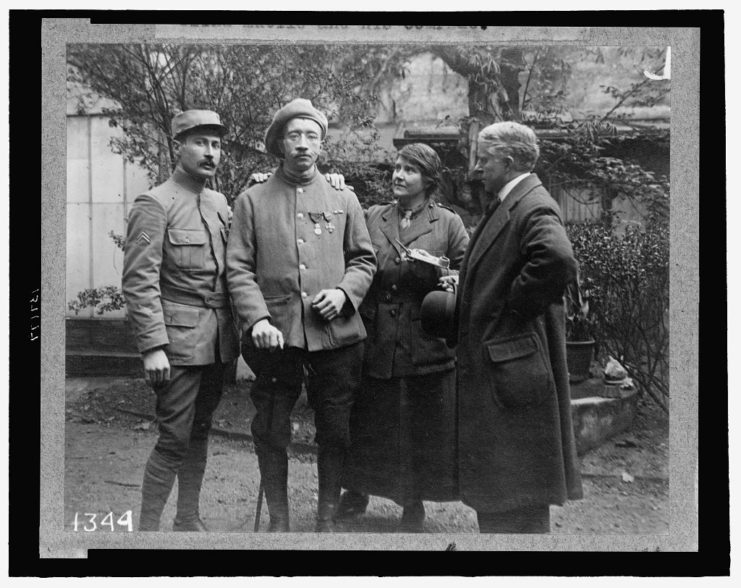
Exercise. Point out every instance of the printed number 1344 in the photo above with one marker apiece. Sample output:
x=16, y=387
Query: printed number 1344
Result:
x=88, y=521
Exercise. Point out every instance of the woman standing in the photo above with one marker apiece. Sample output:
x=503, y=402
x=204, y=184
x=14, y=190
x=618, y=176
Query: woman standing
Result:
x=403, y=422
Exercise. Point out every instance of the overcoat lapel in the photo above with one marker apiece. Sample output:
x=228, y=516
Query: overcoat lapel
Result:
x=493, y=227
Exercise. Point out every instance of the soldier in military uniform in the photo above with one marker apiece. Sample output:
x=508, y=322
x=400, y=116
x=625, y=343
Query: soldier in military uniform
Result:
x=176, y=293
x=299, y=261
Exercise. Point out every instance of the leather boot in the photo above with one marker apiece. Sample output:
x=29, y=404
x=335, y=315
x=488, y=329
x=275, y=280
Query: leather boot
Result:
x=159, y=478
x=274, y=475
x=190, y=479
x=329, y=464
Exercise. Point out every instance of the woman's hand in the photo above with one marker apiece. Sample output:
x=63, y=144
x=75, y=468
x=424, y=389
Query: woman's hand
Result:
x=449, y=283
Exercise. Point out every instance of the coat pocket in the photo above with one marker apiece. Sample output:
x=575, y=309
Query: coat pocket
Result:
x=188, y=247
x=181, y=321
x=518, y=370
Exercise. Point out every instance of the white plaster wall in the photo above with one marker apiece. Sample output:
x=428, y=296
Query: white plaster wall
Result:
x=100, y=189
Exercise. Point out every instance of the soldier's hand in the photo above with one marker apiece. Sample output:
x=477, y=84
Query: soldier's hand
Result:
x=259, y=178
x=266, y=336
x=337, y=181
x=156, y=367
x=329, y=303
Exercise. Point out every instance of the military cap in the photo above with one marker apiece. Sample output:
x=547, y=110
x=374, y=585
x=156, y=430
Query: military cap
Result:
x=190, y=119
x=298, y=108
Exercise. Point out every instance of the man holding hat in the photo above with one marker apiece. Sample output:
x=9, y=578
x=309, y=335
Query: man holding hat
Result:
x=175, y=286
x=299, y=262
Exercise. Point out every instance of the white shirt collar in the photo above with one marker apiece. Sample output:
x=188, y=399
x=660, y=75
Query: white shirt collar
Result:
x=509, y=186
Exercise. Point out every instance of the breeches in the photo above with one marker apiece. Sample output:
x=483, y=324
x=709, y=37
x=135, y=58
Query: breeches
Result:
x=185, y=407
x=332, y=378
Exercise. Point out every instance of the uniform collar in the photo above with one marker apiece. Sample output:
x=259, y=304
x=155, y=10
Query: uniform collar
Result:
x=300, y=180
x=185, y=180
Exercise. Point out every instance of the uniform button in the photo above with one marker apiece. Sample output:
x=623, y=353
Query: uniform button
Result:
x=392, y=312
x=300, y=241
x=300, y=190
x=302, y=266
x=394, y=287
x=304, y=295
x=300, y=215
x=398, y=260
x=387, y=297
x=187, y=239
x=273, y=380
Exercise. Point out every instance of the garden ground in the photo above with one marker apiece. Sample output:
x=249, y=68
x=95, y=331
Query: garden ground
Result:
x=110, y=431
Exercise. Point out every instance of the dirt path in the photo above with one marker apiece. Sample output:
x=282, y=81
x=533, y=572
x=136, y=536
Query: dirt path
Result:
x=625, y=481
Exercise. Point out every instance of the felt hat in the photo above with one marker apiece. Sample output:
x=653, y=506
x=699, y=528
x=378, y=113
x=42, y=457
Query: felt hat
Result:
x=437, y=315
x=298, y=108
x=191, y=119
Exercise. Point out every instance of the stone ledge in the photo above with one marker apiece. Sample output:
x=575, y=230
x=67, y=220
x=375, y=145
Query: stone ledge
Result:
x=597, y=418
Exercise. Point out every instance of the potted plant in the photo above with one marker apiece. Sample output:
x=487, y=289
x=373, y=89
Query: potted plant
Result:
x=579, y=339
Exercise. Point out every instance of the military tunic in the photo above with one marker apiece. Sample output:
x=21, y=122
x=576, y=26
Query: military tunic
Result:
x=403, y=424
x=174, y=276
x=290, y=239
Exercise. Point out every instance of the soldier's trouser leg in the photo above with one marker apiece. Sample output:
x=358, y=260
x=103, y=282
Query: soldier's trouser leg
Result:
x=334, y=378
x=175, y=409
x=274, y=393
x=190, y=474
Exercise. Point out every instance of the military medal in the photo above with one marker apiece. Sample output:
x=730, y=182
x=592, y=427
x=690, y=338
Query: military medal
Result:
x=317, y=229
x=330, y=227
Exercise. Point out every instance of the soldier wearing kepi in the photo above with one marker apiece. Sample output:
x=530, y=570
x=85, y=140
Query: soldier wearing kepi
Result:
x=176, y=294
x=299, y=262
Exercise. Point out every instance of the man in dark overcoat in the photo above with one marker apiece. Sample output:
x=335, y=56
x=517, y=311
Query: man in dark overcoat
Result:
x=299, y=262
x=516, y=443
x=174, y=281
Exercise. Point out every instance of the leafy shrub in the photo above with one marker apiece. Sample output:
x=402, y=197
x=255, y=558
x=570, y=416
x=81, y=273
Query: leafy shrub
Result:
x=625, y=276
x=103, y=299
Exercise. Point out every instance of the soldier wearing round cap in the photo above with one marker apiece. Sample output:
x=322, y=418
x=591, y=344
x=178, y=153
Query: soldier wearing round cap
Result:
x=299, y=262
x=176, y=294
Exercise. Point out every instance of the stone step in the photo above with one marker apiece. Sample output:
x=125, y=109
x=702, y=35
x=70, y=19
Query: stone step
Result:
x=85, y=362
x=600, y=411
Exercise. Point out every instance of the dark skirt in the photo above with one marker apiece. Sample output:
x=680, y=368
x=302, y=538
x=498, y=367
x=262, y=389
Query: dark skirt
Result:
x=403, y=433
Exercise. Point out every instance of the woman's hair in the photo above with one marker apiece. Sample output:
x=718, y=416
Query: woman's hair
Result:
x=428, y=162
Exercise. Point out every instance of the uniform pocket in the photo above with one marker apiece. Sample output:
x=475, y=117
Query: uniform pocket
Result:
x=188, y=247
x=181, y=321
x=518, y=370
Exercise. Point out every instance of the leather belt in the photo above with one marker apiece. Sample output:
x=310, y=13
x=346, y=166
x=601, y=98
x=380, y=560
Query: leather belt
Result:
x=207, y=300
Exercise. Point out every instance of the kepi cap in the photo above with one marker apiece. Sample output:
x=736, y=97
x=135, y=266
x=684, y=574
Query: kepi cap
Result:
x=298, y=108
x=191, y=119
